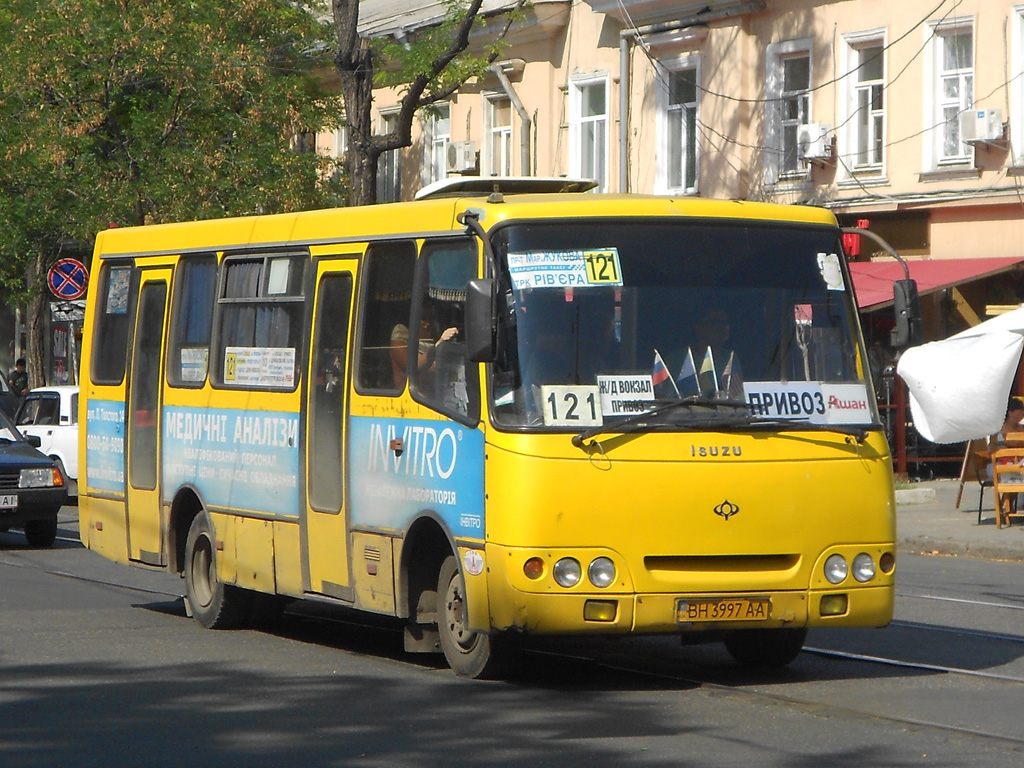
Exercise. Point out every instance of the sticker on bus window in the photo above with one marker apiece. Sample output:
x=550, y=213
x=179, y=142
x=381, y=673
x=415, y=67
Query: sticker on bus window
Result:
x=831, y=272
x=260, y=366
x=571, y=406
x=625, y=395
x=193, y=363
x=812, y=401
x=565, y=269
x=117, y=290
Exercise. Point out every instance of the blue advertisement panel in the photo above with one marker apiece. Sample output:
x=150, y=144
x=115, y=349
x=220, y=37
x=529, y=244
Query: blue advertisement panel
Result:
x=236, y=458
x=440, y=468
x=104, y=445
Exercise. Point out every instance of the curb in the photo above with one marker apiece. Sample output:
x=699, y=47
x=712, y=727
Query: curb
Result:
x=925, y=546
x=915, y=496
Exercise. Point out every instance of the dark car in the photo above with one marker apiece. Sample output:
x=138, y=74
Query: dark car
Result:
x=32, y=487
x=8, y=400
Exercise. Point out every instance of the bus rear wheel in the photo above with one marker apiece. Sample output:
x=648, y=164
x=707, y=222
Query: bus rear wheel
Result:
x=765, y=648
x=469, y=653
x=214, y=604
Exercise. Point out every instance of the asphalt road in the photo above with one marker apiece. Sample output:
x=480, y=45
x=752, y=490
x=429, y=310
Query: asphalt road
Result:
x=100, y=667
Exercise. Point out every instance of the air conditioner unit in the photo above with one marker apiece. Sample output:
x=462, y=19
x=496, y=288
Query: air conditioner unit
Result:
x=461, y=156
x=814, y=141
x=981, y=125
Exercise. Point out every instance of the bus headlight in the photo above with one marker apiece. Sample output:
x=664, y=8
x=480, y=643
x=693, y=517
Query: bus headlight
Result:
x=836, y=569
x=567, y=572
x=863, y=567
x=601, y=572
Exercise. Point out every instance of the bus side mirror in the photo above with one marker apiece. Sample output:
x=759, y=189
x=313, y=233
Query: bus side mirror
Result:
x=907, y=306
x=481, y=343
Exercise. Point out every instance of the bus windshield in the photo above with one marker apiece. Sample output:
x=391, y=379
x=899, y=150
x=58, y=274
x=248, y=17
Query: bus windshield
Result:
x=737, y=319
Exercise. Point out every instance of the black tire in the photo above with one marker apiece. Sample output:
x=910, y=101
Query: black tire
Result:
x=214, y=604
x=41, y=533
x=765, y=648
x=469, y=654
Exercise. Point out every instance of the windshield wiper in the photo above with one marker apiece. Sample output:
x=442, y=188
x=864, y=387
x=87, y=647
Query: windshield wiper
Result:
x=685, y=402
x=748, y=420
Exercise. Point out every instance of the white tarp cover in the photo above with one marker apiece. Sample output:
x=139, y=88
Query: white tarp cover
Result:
x=959, y=386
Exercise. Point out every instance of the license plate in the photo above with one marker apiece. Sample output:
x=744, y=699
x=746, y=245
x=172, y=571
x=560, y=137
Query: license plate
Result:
x=8, y=501
x=693, y=611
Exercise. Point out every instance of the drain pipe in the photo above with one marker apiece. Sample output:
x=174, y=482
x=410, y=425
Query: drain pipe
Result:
x=624, y=82
x=524, y=117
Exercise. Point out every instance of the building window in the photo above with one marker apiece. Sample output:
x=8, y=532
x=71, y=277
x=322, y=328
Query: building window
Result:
x=389, y=166
x=677, y=127
x=588, y=129
x=498, y=135
x=952, y=90
x=437, y=134
x=865, y=102
x=788, y=107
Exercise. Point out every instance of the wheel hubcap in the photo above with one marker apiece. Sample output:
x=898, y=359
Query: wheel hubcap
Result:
x=202, y=572
x=455, y=616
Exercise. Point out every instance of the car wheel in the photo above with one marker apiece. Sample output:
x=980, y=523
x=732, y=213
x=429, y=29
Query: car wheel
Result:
x=214, y=604
x=41, y=533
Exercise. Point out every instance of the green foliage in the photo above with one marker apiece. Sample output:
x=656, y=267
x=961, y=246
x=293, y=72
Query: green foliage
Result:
x=113, y=111
x=405, y=61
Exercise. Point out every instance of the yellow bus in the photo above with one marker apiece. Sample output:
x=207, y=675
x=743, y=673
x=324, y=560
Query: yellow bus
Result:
x=493, y=414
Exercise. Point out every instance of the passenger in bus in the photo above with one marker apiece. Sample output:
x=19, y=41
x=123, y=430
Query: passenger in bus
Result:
x=427, y=349
x=718, y=367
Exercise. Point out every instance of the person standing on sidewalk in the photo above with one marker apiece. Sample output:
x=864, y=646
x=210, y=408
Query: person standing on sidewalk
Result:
x=18, y=378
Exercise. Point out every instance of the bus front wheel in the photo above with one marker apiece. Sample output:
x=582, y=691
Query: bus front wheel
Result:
x=766, y=648
x=214, y=604
x=469, y=653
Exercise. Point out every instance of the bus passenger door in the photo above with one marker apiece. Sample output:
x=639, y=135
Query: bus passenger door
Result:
x=143, y=417
x=325, y=533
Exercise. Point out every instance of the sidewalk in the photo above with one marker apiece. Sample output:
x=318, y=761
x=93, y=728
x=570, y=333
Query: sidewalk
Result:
x=928, y=522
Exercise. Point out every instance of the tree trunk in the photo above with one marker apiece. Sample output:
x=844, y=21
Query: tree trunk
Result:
x=35, y=324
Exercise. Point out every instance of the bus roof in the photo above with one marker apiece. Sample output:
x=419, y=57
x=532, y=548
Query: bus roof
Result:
x=429, y=216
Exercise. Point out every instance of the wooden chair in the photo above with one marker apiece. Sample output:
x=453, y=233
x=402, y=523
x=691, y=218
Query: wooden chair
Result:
x=975, y=469
x=1008, y=481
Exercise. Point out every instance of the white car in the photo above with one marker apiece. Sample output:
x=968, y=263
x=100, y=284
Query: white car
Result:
x=51, y=414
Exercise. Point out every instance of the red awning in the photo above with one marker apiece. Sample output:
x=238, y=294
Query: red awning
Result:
x=872, y=280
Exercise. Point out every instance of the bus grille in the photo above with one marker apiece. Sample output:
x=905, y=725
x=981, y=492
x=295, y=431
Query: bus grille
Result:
x=721, y=563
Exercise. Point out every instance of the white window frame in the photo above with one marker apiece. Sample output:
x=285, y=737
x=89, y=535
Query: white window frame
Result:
x=935, y=156
x=668, y=121
x=776, y=55
x=577, y=124
x=389, y=166
x=1017, y=89
x=851, y=87
x=502, y=134
x=437, y=134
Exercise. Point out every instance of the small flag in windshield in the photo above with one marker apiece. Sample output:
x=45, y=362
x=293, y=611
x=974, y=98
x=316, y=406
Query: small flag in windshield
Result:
x=686, y=381
x=708, y=375
x=660, y=374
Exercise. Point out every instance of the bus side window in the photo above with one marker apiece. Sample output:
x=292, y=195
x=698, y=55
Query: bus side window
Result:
x=118, y=285
x=260, y=321
x=195, y=291
x=386, y=298
x=440, y=378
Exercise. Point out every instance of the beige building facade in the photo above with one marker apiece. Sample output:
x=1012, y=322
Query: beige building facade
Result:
x=909, y=115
